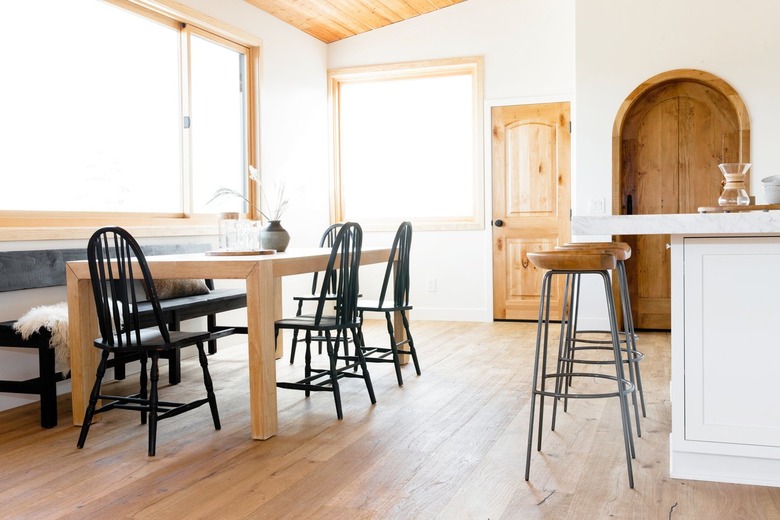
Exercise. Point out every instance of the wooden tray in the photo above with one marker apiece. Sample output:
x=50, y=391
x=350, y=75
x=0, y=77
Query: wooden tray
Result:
x=735, y=208
x=220, y=252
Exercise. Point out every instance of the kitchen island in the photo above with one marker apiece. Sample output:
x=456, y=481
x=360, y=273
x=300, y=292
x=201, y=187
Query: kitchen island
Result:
x=725, y=339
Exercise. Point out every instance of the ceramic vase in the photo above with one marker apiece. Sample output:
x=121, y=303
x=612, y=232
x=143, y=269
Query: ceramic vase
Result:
x=274, y=236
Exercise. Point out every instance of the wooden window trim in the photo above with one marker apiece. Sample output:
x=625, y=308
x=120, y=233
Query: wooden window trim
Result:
x=427, y=68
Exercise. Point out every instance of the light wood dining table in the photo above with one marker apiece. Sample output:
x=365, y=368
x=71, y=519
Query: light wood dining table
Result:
x=263, y=275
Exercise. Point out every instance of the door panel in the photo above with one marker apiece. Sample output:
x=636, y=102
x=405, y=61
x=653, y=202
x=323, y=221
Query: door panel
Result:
x=673, y=139
x=531, y=161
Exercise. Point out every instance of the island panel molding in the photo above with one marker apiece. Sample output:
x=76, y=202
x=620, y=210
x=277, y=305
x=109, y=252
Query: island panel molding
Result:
x=725, y=418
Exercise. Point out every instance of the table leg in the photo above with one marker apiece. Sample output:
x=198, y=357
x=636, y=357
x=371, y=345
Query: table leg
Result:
x=278, y=316
x=82, y=330
x=263, y=294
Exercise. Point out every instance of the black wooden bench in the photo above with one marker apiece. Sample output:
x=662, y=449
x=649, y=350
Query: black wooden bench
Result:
x=44, y=385
x=20, y=270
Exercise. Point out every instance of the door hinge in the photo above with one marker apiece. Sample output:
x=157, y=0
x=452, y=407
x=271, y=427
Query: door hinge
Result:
x=187, y=121
x=570, y=214
x=569, y=126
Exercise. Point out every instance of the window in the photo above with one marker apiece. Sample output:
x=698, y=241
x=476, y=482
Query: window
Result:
x=407, y=145
x=120, y=109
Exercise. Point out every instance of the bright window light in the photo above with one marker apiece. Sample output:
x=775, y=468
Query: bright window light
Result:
x=407, y=146
x=92, y=111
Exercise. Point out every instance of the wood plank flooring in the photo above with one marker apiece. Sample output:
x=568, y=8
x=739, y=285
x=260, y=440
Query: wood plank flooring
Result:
x=448, y=444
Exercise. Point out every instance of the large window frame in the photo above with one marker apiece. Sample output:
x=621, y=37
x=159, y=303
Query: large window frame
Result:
x=471, y=66
x=50, y=225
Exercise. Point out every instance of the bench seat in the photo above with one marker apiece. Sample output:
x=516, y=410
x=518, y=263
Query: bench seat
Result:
x=188, y=307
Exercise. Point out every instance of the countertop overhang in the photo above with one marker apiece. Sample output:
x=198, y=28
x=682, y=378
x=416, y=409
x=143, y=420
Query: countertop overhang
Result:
x=756, y=222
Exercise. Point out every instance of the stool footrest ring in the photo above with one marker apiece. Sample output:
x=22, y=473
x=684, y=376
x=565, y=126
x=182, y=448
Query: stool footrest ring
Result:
x=632, y=356
x=621, y=333
x=628, y=386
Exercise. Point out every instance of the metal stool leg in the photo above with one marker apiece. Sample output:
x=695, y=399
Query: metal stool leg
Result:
x=628, y=439
x=631, y=333
x=544, y=313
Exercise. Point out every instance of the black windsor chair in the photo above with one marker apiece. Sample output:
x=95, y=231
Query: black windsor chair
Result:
x=343, y=268
x=327, y=239
x=399, y=303
x=115, y=260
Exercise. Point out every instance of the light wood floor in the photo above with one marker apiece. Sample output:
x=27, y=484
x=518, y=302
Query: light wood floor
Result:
x=448, y=444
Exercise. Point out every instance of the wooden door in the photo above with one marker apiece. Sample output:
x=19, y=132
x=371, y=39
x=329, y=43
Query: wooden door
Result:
x=672, y=142
x=531, y=201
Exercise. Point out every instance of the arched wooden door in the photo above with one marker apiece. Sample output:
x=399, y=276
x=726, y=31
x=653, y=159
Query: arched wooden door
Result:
x=672, y=138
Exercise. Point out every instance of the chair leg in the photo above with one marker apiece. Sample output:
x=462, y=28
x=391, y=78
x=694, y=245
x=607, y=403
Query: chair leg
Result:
x=307, y=360
x=410, y=342
x=360, y=329
x=143, y=392
x=362, y=361
x=346, y=349
x=334, y=380
x=153, y=403
x=93, y=398
x=208, y=383
x=394, y=349
x=292, y=347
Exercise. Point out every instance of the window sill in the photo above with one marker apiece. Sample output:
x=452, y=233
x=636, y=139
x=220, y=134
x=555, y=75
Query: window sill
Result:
x=13, y=229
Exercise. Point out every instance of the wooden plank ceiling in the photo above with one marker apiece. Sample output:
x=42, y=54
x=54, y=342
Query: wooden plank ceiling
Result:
x=333, y=20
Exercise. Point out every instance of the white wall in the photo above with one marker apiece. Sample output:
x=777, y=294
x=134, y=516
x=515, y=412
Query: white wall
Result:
x=528, y=57
x=620, y=44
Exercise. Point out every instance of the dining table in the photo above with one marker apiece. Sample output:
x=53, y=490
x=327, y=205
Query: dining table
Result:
x=263, y=276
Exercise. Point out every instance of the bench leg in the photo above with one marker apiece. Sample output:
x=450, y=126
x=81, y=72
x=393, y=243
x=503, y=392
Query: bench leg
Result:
x=174, y=356
x=211, y=324
x=174, y=366
x=48, y=388
x=119, y=368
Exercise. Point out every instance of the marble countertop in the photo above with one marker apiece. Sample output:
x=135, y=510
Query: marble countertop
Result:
x=753, y=222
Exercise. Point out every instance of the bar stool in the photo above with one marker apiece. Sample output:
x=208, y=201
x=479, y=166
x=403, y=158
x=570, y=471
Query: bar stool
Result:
x=574, y=336
x=566, y=263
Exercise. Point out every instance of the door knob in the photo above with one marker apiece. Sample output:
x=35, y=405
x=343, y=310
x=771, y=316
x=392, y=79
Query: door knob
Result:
x=499, y=223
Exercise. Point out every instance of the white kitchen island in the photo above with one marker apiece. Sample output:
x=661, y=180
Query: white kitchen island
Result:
x=725, y=387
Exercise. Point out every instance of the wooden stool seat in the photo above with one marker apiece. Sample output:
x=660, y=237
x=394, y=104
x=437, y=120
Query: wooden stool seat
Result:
x=574, y=261
x=621, y=250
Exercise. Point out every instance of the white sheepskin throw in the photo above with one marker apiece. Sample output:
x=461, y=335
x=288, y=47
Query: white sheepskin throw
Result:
x=55, y=319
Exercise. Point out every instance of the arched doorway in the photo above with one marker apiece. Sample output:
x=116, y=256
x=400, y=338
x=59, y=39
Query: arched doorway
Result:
x=669, y=136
